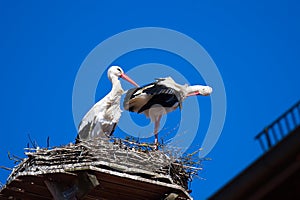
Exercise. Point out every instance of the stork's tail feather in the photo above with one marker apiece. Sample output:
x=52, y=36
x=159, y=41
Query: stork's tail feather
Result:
x=137, y=103
x=129, y=93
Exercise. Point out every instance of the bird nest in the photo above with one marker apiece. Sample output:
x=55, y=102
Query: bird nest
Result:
x=117, y=155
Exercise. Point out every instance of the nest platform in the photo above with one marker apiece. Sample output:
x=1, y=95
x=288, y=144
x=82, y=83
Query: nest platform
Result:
x=98, y=169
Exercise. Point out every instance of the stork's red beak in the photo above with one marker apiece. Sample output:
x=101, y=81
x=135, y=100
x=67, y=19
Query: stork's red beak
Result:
x=127, y=78
x=193, y=94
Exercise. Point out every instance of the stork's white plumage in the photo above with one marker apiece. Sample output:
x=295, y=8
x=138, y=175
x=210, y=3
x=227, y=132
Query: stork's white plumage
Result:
x=102, y=118
x=159, y=98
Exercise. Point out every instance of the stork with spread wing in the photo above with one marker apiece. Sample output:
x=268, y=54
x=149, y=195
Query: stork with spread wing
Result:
x=159, y=98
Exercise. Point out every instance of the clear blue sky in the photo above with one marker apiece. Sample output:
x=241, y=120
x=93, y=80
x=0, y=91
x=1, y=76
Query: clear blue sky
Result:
x=255, y=46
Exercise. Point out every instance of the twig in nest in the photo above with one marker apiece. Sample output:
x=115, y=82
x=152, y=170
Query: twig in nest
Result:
x=14, y=158
x=6, y=168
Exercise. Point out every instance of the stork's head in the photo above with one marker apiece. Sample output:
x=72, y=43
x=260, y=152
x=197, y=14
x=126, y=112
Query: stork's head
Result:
x=199, y=90
x=117, y=72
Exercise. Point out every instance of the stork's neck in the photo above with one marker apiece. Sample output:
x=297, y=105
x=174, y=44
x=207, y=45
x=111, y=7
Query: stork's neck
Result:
x=192, y=88
x=117, y=89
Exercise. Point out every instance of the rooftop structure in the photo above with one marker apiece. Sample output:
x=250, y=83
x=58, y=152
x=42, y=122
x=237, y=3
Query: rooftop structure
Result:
x=276, y=174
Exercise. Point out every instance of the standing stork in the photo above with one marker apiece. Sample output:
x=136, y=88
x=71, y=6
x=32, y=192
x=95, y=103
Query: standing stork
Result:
x=103, y=117
x=159, y=98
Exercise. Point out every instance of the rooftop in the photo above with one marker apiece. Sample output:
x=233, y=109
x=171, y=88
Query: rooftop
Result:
x=276, y=174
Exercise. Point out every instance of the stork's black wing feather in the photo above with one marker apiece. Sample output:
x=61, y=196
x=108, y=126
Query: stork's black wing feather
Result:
x=152, y=89
x=163, y=99
x=158, y=89
x=160, y=94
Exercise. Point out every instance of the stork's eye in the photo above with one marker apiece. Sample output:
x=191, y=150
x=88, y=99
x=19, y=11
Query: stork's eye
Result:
x=119, y=69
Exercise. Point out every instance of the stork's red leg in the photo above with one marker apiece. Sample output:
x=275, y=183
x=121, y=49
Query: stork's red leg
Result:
x=156, y=127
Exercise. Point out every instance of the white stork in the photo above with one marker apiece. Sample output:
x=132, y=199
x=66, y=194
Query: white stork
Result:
x=159, y=98
x=103, y=117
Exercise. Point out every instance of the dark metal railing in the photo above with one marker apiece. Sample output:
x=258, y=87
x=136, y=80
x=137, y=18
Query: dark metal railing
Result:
x=281, y=127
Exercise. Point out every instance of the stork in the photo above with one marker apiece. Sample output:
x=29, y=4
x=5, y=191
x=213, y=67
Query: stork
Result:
x=159, y=98
x=103, y=117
